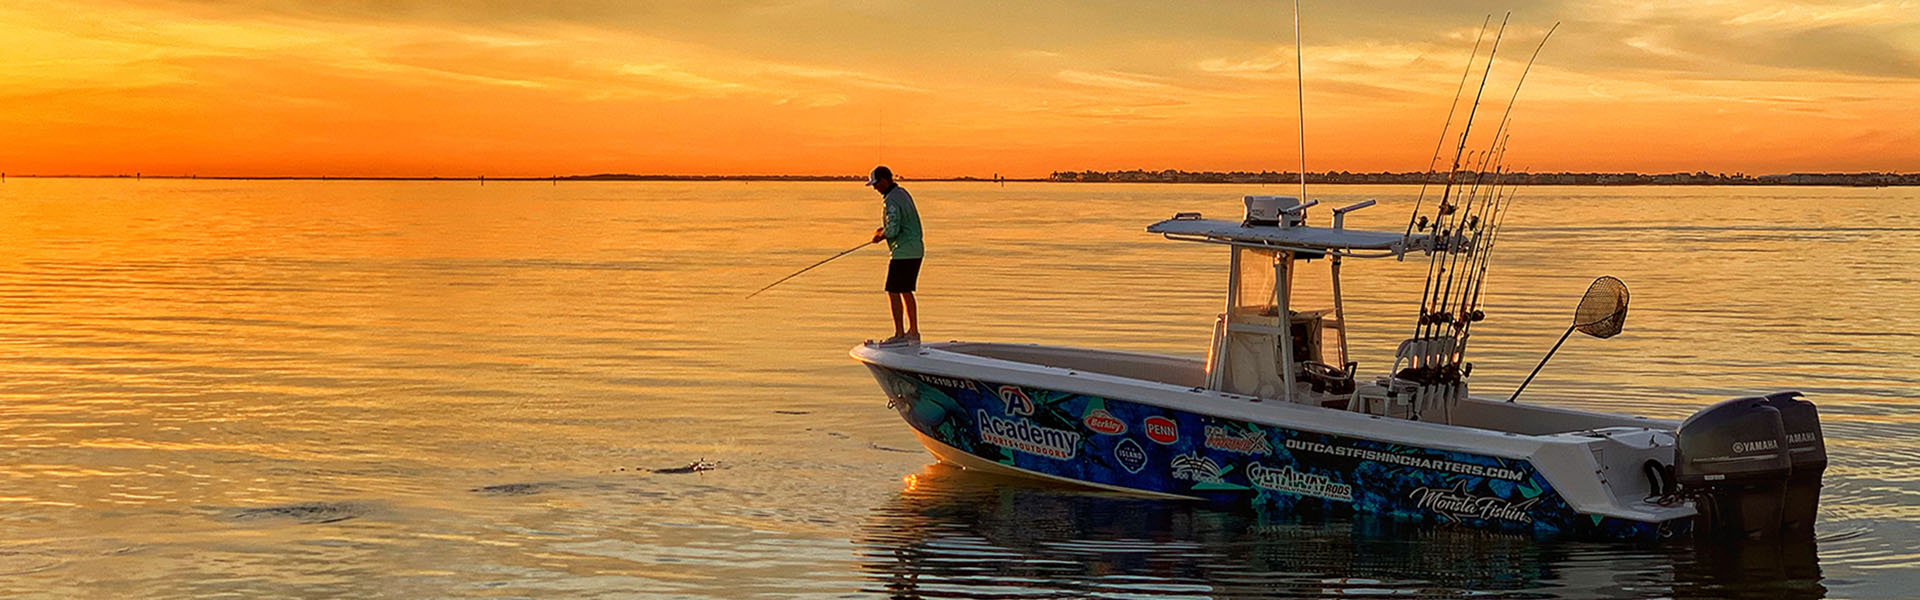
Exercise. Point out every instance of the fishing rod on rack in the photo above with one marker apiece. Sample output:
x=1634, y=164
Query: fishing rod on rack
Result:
x=1461, y=231
x=1467, y=227
x=1486, y=227
x=1443, y=224
x=1473, y=206
x=1448, y=125
x=1485, y=222
x=1471, y=303
x=1462, y=239
x=1476, y=265
x=1468, y=233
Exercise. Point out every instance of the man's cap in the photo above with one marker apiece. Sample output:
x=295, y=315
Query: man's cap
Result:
x=880, y=172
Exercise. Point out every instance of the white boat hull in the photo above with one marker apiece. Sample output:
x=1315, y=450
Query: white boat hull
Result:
x=1028, y=411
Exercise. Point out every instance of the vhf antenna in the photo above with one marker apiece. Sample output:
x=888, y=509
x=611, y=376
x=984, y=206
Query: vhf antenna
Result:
x=1300, y=98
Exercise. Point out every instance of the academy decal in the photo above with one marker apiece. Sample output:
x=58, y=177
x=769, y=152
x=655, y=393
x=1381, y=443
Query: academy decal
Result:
x=1457, y=504
x=1193, y=467
x=1015, y=400
x=1102, y=422
x=1025, y=436
x=1130, y=455
x=1285, y=479
x=1406, y=460
x=1253, y=441
x=1162, y=430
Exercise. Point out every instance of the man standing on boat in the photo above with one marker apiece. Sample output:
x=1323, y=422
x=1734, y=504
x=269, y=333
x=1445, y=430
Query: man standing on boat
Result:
x=900, y=227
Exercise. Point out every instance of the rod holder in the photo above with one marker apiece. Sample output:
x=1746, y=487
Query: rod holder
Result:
x=1340, y=214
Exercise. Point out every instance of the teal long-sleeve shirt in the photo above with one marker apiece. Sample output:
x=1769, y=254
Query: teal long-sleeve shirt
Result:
x=900, y=224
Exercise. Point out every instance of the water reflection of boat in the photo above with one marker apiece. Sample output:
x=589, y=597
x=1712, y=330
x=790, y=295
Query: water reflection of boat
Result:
x=950, y=534
x=1277, y=417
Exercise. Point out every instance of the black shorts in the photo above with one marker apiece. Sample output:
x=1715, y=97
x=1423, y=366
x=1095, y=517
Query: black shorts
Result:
x=902, y=274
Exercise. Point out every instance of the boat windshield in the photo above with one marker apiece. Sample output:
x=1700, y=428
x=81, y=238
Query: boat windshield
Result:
x=1253, y=300
x=1312, y=306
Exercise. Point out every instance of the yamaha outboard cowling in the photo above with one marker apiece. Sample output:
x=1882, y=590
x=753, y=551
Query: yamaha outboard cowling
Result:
x=1733, y=459
x=1807, y=450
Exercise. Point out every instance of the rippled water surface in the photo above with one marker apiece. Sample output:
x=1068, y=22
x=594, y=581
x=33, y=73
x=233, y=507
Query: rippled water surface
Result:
x=389, y=389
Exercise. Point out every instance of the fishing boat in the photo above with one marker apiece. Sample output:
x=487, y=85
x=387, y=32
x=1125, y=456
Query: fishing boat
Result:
x=1276, y=417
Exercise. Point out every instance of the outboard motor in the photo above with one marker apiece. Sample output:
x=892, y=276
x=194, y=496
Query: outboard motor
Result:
x=1732, y=458
x=1807, y=450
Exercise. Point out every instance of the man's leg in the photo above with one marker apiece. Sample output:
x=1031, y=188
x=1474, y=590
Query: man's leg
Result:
x=894, y=299
x=913, y=317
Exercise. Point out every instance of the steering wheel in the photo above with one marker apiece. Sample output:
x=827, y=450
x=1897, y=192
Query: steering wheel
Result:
x=1327, y=378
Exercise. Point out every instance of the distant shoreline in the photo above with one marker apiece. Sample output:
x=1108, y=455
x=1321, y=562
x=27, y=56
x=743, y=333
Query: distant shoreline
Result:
x=1179, y=177
x=603, y=177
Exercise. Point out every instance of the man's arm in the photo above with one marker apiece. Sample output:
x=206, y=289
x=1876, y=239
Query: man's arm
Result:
x=890, y=223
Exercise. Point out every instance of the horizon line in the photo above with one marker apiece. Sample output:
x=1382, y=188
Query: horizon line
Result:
x=1212, y=177
x=1055, y=175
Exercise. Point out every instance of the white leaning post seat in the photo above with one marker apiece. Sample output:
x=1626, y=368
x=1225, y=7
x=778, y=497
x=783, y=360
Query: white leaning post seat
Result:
x=1429, y=398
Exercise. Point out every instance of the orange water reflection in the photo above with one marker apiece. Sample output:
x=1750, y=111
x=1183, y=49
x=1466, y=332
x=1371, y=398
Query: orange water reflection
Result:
x=444, y=389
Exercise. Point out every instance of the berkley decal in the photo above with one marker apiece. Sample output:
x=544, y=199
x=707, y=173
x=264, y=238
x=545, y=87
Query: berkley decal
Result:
x=1025, y=436
x=1457, y=504
x=1193, y=467
x=1130, y=455
x=1251, y=442
x=1015, y=400
x=1103, y=422
x=1285, y=479
x=1162, y=430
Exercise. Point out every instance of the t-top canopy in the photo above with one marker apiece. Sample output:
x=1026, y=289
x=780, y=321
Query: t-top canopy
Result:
x=1302, y=237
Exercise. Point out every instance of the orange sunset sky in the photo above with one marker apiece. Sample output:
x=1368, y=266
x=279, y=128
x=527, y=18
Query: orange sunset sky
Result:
x=936, y=88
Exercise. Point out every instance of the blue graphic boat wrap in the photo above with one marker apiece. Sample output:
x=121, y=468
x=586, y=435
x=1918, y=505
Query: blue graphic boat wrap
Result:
x=1146, y=447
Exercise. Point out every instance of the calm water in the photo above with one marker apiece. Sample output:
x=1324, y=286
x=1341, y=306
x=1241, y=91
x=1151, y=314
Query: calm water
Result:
x=354, y=389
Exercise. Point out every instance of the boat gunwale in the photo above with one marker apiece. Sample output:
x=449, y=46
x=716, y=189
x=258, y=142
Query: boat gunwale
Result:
x=1243, y=407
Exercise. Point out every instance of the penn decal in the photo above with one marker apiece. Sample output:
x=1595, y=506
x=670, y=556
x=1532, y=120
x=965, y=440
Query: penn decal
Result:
x=1161, y=430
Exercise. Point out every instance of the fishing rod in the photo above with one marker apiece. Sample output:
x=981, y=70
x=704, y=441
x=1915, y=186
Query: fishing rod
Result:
x=1498, y=144
x=1497, y=147
x=1450, y=369
x=1493, y=240
x=1478, y=259
x=1443, y=223
x=1499, y=225
x=1483, y=243
x=1472, y=206
x=1470, y=302
x=1438, y=231
x=1444, y=127
x=1500, y=198
x=1444, y=321
x=809, y=268
x=1500, y=204
x=1475, y=267
x=1508, y=115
